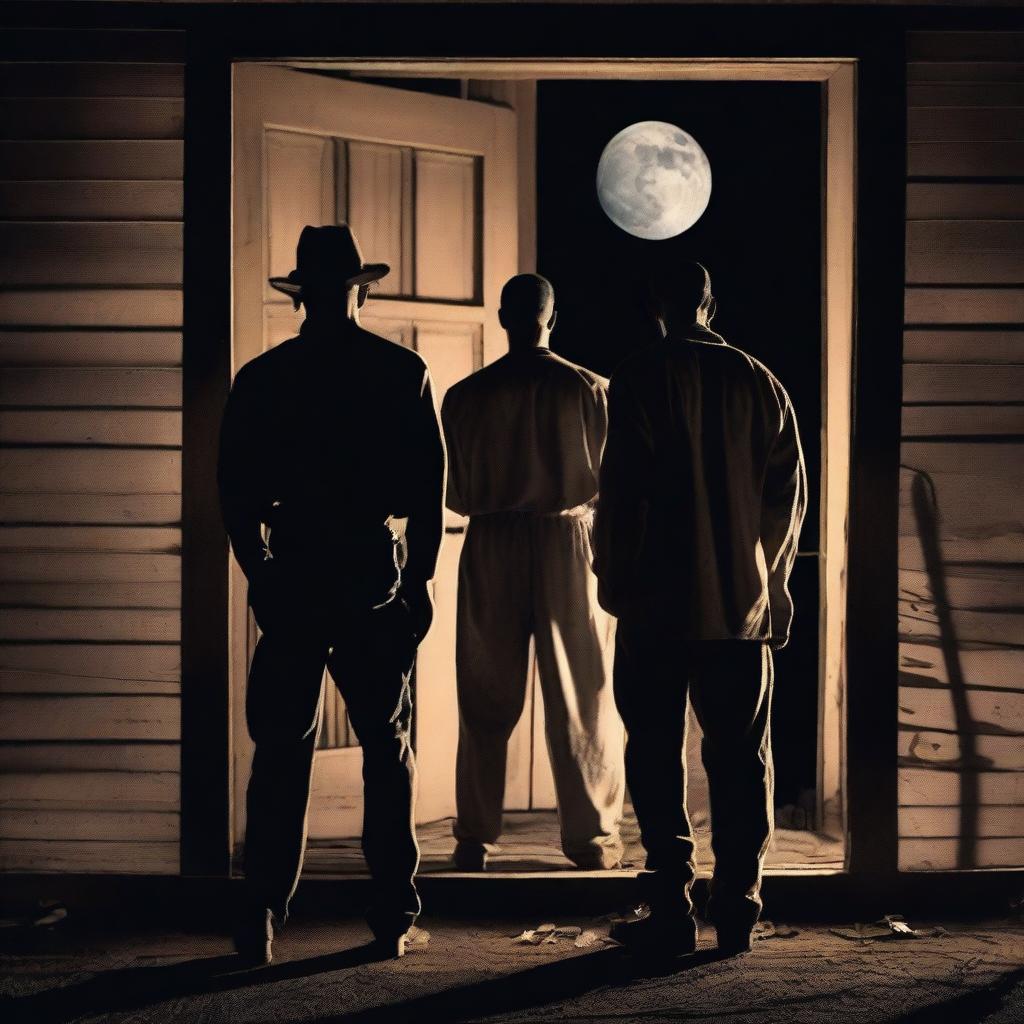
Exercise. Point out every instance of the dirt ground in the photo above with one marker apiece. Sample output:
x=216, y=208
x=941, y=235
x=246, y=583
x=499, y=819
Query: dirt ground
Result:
x=476, y=971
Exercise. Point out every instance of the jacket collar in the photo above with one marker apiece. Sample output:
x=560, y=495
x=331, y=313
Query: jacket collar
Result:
x=698, y=332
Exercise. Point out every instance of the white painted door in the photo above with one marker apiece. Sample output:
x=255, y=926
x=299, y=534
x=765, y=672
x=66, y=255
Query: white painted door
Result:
x=429, y=186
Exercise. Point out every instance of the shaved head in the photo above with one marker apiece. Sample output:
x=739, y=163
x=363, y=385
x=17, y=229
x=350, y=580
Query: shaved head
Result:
x=527, y=299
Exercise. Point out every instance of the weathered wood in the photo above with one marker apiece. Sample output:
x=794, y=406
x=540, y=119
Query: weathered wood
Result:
x=102, y=625
x=90, y=668
x=91, y=307
x=962, y=420
x=964, y=201
x=962, y=382
x=90, y=200
x=91, y=386
x=971, y=94
x=969, y=586
x=923, y=663
x=62, y=717
x=965, y=252
x=80, y=253
x=934, y=822
x=93, y=78
x=106, y=160
x=985, y=72
x=105, y=471
x=942, y=854
x=90, y=790
x=962, y=346
x=98, y=567
x=114, y=826
x=967, y=458
x=142, y=594
x=918, y=620
x=92, y=117
x=938, y=787
x=969, y=125
x=150, y=858
x=90, y=757
x=116, y=427
x=148, y=509
x=992, y=712
x=964, y=305
x=1004, y=548
x=953, y=45
x=162, y=539
x=964, y=159
x=78, y=347
x=943, y=750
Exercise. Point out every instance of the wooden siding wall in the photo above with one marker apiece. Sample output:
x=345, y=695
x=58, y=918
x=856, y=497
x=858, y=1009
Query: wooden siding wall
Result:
x=90, y=465
x=961, y=709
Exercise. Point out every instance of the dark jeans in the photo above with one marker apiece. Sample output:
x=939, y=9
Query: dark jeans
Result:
x=729, y=683
x=370, y=657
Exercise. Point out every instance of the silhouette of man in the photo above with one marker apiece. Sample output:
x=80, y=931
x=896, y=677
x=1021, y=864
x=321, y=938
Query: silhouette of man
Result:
x=525, y=436
x=330, y=441
x=703, y=492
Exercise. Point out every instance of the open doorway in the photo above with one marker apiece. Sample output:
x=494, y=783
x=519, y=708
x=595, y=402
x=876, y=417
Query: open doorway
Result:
x=461, y=176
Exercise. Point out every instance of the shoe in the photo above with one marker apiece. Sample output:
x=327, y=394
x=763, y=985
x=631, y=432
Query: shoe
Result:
x=469, y=857
x=254, y=936
x=389, y=947
x=734, y=941
x=657, y=936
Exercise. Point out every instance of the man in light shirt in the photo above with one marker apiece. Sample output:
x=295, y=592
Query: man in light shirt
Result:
x=524, y=437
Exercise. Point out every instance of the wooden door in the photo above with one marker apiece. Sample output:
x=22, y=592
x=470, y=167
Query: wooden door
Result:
x=428, y=184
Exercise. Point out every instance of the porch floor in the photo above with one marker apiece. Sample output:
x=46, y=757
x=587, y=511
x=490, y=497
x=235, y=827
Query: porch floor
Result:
x=531, y=844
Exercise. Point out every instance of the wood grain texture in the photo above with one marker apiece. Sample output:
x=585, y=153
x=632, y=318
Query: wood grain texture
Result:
x=937, y=786
x=964, y=306
x=142, y=594
x=964, y=159
x=91, y=200
x=965, y=94
x=965, y=252
x=158, y=539
x=968, y=71
x=91, y=253
x=102, y=471
x=922, y=663
x=942, y=854
x=117, y=427
x=80, y=79
x=90, y=668
x=92, y=117
x=91, y=387
x=918, y=621
x=33, y=855
x=992, y=712
x=931, y=345
x=944, y=750
x=962, y=420
x=112, y=826
x=965, y=124
x=65, y=717
x=963, y=382
x=939, y=822
x=974, y=587
x=962, y=200
x=105, y=160
x=90, y=757
x=963, y=46
x=114, y=509
x=99, y=625
x=82, y=347
x=91, y=307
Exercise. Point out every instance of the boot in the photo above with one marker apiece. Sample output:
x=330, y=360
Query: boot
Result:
x=254, y=936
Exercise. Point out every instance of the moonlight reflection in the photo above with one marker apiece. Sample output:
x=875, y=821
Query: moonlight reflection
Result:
x=654, y=180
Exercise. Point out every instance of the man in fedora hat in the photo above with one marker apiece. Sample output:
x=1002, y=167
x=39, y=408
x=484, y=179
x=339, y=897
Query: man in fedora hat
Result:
x=332, y=476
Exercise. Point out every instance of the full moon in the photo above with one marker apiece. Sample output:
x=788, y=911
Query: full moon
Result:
x=654, y=180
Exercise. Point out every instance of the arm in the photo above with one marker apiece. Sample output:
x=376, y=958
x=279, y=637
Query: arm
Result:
x=237, y=477
x=456, y=468
x=626, y=472
x=783, y=505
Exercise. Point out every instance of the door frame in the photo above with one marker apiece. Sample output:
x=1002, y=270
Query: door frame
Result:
x=763, y=43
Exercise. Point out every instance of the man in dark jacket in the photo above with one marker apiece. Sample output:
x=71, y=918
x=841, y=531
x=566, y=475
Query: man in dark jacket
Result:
x=702, y=495
x=331, y=475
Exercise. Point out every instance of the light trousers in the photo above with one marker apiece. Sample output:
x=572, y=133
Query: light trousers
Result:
x=523, y=575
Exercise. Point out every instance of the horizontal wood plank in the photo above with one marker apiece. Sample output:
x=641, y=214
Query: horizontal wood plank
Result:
x=923, y=345
x=923, y=663
x=983, y=71
x=959, y=420
x=105, y=159
x=967, y=458
x=92, y=117
x=963, y=200
x=98, y=567
x=90, y=253
x=141, y=594
x=113, y=826
x=63, y=717
x=953, y=45
x=90, y=668
x=963, y=382
x=965, y=124
x=918, y=621
x=91, y=200
x=146, y=509
x=90, y=78
x=965, y=252
x=944, y=750
x=965, y=94
x=91, y=307
x=118, y=427
x=936, y=822
x=100, y=625
x=104, y=471
x=943, y=854
x=159, y=539
x=939, y=787
x=35, y=855
x=93, y=44
x=965, y=159
x=988, y=712
x=968, y=586
x=1002, y=548
x=90, y=757
x=79, y=347
x=91, y=387
x=964, y=306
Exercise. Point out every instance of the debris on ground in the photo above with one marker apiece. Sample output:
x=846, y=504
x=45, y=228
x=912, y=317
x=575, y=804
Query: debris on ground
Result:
x=416, y=938
x=44, y=914
x=892, y=926
x=550, y=934
x=770, y=930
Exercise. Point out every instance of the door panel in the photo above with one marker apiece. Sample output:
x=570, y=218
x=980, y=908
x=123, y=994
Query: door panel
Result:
x=429, y=186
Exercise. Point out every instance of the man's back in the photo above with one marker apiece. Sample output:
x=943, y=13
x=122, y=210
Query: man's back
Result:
x=525, y=434
x=703, y=491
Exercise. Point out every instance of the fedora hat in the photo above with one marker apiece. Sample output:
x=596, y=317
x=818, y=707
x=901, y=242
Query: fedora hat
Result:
x=327, y=256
